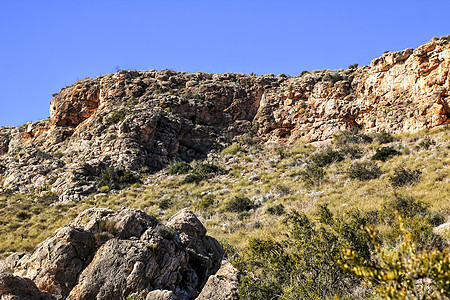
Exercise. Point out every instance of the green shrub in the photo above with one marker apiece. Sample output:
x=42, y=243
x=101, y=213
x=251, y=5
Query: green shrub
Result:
x=117, y=116
x=58, y=154
x=144, y=170
x=239, y=204
x=407, y=207
x=352, y=151
x=103, y=189
x=178, y=168
x=165, y=204
x=404, y=176
x=49, y=197
x=190, y=95
x=346, y=138
x=303, y=73
x=202, y=172
x=207, y=169
x=194, y=178
x=125, y=177
x=333, y=77
x=365, y=170
x=328, y=257
x=197, y=120
x=233, y=149
x=276, y=210
x=326, y=157
x=417, y=218
x=404, y=271
x=22, y=215
x=384, y=153
x=427, y=142
x=383, y=137
x=107, y=178
x=207, y=201
x=304, y=265
x=116, y=179
x=313, y=175
x=246, y=140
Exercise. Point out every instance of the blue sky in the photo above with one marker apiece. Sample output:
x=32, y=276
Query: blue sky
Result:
x=46, y=45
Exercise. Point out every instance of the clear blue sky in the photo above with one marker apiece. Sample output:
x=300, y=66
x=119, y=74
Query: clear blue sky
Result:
x=46, y=45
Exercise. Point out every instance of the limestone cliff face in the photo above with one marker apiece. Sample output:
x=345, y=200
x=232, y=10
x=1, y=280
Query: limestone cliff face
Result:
x=403, y=91
x=148, y=119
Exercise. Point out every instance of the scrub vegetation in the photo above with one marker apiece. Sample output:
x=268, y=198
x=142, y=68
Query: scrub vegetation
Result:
x=356, y=217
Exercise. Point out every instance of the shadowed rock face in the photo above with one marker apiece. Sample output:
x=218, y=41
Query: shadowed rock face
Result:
x=223, y=285
x=149, y=119
x=104, y=254
x=16, y=288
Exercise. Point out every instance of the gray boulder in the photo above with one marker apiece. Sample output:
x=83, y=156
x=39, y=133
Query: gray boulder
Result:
x=223, y=285
x=104, y=254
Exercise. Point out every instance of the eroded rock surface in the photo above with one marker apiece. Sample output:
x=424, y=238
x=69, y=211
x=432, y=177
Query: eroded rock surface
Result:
x=104, y=254
x=145, y=120
x=223, y=285
x=16, y=288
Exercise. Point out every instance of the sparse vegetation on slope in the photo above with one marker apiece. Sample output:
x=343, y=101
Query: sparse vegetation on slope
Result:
x=304, y=211
x=244, y=197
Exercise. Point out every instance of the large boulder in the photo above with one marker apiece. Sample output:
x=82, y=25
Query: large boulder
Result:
x=205, y=252
x=104, y=254
x=223, y=285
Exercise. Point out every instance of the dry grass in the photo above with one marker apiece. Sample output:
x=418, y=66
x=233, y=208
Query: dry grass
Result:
x=266, y=175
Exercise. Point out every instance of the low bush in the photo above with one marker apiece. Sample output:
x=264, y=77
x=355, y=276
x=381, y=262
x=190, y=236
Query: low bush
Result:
x=333, y=77
x=116, y=179
x=103, y=189
x=276, y=210
x=417, y=218
x=404, y=176
x=178, y=168
x=194, y=178
x=304, y=265
x=117, y=117
x=202, y=172
x=239, y=204
x=326, y=157
x=165, y=204
x=383, y=137
x=346, y=138
x=207, y=169
x=233, y=149
x=365, y=170
x=332, y=256
x=427, y=142
x=384, y=153
x=207, y=201
x=403, y=271
x=352, y=151
x=313, y=175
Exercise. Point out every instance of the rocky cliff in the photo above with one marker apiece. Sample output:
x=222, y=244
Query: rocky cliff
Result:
x=144, y=120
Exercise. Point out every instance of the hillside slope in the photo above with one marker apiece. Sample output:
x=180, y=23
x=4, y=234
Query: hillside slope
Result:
x=145, y=120
x=291, y=175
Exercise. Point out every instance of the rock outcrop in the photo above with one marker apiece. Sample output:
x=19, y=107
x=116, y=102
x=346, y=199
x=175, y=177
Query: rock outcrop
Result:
x=16, y=288
x=145, y=120
x=104, y=254
x=223, y=285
